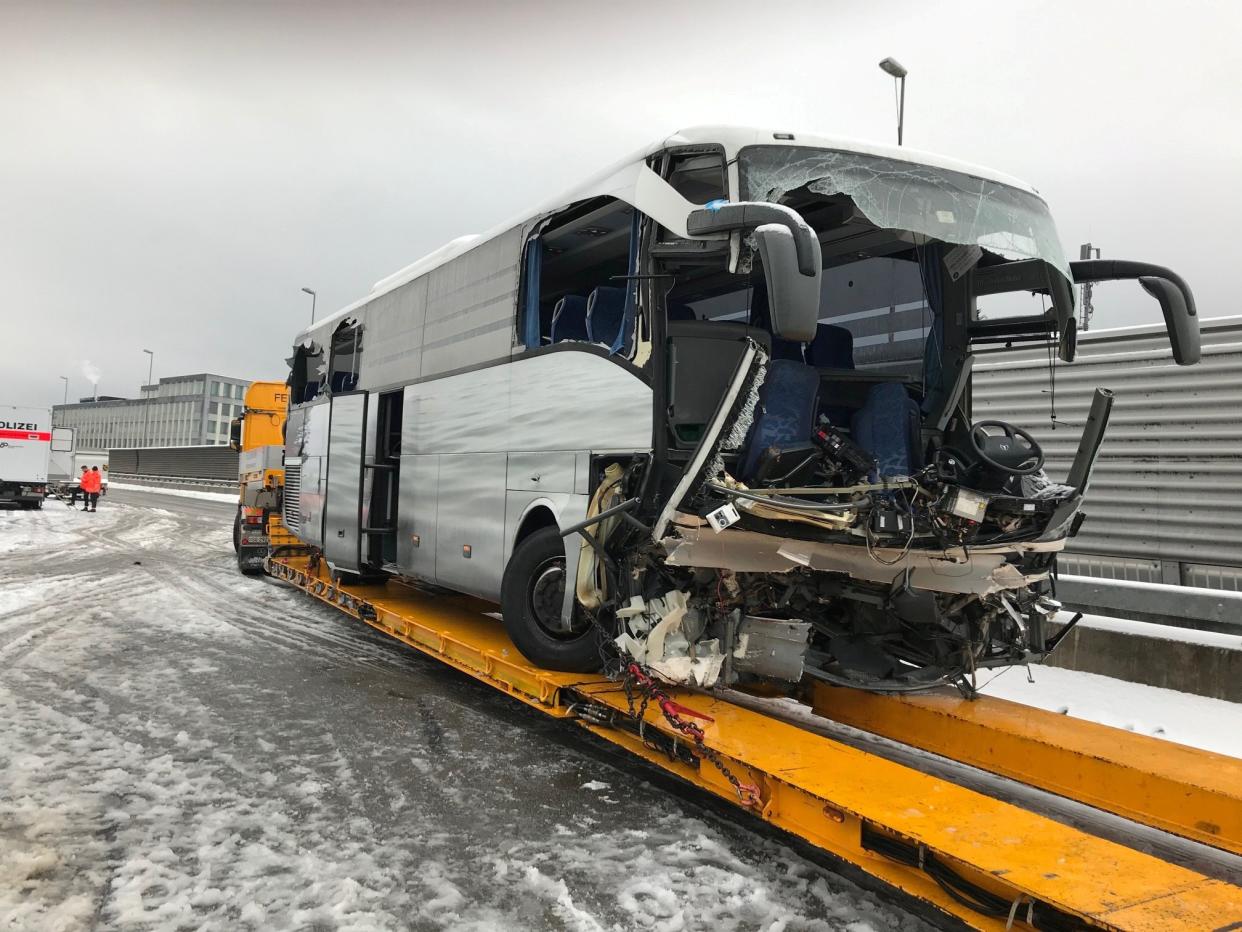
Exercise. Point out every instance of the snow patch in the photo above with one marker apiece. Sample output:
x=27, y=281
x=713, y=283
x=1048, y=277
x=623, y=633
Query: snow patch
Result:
x=230, y=497
x=1211, y=724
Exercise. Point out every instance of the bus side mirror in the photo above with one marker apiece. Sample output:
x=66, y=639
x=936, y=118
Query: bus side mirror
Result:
x=1182, y=325
x=789, y=250
x=793, y=296
x=1177, y=303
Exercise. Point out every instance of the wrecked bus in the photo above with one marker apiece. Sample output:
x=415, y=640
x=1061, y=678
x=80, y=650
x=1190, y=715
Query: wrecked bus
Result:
x=710, y=411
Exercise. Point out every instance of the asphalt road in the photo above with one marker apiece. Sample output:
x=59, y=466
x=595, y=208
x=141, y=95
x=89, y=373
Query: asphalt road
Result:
x=182, y=747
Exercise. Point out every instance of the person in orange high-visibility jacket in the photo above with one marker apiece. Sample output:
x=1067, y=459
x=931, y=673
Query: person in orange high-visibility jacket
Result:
x=78, y=489
x=92, y=482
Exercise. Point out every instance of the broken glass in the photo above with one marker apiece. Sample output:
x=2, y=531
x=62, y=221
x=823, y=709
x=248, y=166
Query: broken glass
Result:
x=940, y=203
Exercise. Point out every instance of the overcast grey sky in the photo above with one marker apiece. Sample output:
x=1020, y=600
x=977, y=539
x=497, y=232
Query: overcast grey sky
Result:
x=171, y=174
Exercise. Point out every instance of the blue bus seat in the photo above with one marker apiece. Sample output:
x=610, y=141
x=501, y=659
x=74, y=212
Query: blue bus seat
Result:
x=605, y=316
x=888, y=426
x=786, y=412
x=569, y=319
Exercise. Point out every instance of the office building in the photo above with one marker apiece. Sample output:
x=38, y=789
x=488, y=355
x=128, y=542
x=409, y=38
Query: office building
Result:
x=178, y=411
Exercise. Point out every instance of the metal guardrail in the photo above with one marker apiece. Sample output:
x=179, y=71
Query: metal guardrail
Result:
x=1154, y=603
x=1165, y=503
x=204, y=462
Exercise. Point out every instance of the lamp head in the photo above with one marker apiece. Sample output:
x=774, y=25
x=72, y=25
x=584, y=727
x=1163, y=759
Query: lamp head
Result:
x=893, y=66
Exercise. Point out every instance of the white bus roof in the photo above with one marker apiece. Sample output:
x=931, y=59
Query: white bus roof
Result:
x=731, y=138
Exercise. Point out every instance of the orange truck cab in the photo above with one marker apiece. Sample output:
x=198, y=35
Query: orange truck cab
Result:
x=258, y=436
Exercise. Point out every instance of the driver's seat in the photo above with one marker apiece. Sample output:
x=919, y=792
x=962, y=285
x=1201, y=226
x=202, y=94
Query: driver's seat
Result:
x=889, y=427
x=785, y=415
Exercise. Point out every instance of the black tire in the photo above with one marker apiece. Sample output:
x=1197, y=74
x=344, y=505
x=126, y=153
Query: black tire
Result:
x=529, y=584
x=237, y=532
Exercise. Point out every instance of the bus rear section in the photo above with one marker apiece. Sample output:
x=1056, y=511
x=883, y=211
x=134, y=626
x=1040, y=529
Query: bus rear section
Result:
x=27, y=441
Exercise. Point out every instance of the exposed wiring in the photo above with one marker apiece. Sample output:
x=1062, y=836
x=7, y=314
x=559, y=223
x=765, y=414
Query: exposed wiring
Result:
x=882, y=486
x=788, y=505
x=905, y=551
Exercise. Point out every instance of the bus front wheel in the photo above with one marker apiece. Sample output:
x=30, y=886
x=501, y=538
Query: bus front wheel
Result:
x=531, y=596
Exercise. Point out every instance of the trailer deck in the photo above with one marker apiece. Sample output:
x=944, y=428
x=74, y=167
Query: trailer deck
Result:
x=989, y=863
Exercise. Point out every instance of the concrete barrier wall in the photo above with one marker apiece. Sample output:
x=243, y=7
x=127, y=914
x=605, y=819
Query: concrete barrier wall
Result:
x=1210, y=665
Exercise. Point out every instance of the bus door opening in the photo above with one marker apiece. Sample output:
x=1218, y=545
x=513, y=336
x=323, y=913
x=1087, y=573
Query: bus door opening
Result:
x=386, y=480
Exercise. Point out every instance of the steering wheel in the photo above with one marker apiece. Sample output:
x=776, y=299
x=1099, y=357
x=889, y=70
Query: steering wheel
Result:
x=1019, y=440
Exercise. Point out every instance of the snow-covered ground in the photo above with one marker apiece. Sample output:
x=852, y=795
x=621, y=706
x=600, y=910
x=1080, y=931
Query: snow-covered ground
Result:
x=185, y=748
x=200, y=494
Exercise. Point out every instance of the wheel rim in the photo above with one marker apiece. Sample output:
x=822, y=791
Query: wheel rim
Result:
x=546, y=597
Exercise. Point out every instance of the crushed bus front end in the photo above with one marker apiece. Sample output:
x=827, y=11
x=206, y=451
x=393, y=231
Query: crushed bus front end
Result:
x=890, y=574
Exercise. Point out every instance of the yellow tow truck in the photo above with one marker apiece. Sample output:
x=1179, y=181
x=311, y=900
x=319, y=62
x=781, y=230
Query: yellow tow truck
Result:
x=258, y=436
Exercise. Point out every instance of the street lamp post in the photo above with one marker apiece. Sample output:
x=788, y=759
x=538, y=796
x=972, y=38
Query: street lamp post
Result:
x=893, y=66
x=65, y=379
x=314, y=296
x=146, y=417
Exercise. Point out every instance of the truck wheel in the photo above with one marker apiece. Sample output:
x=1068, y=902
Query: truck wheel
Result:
x=531, y=596
x=248, y=568
x=237, y=532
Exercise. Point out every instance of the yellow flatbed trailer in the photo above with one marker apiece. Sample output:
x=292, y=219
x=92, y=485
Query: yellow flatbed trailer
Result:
x=1186, y=791
x=990, y=864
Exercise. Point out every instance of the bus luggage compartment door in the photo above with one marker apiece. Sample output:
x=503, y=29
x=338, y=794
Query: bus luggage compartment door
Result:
x=342, y=530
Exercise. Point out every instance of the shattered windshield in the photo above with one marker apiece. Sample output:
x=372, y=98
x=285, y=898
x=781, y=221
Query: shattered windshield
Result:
x=895, y=195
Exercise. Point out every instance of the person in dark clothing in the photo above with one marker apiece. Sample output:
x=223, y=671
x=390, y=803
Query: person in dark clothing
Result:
x=92, y=482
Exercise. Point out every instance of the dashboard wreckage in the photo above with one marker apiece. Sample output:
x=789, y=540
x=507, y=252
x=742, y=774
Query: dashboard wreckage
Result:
x=766, y=472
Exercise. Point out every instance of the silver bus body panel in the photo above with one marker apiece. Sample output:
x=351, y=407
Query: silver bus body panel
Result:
x=342, y=513
x=393, y=336
x=291, y=497
x=571, y=400
x=480, y=449
x=470, y=306
x=470, y=522
x=552, y=471
x=416, y=516
x=306, y=448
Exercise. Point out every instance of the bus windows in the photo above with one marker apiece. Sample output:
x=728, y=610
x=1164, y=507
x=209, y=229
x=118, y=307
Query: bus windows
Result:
x=346, y=357
x=306, y=373
x=881, y=302
x=697, y=176
x=578, y=270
